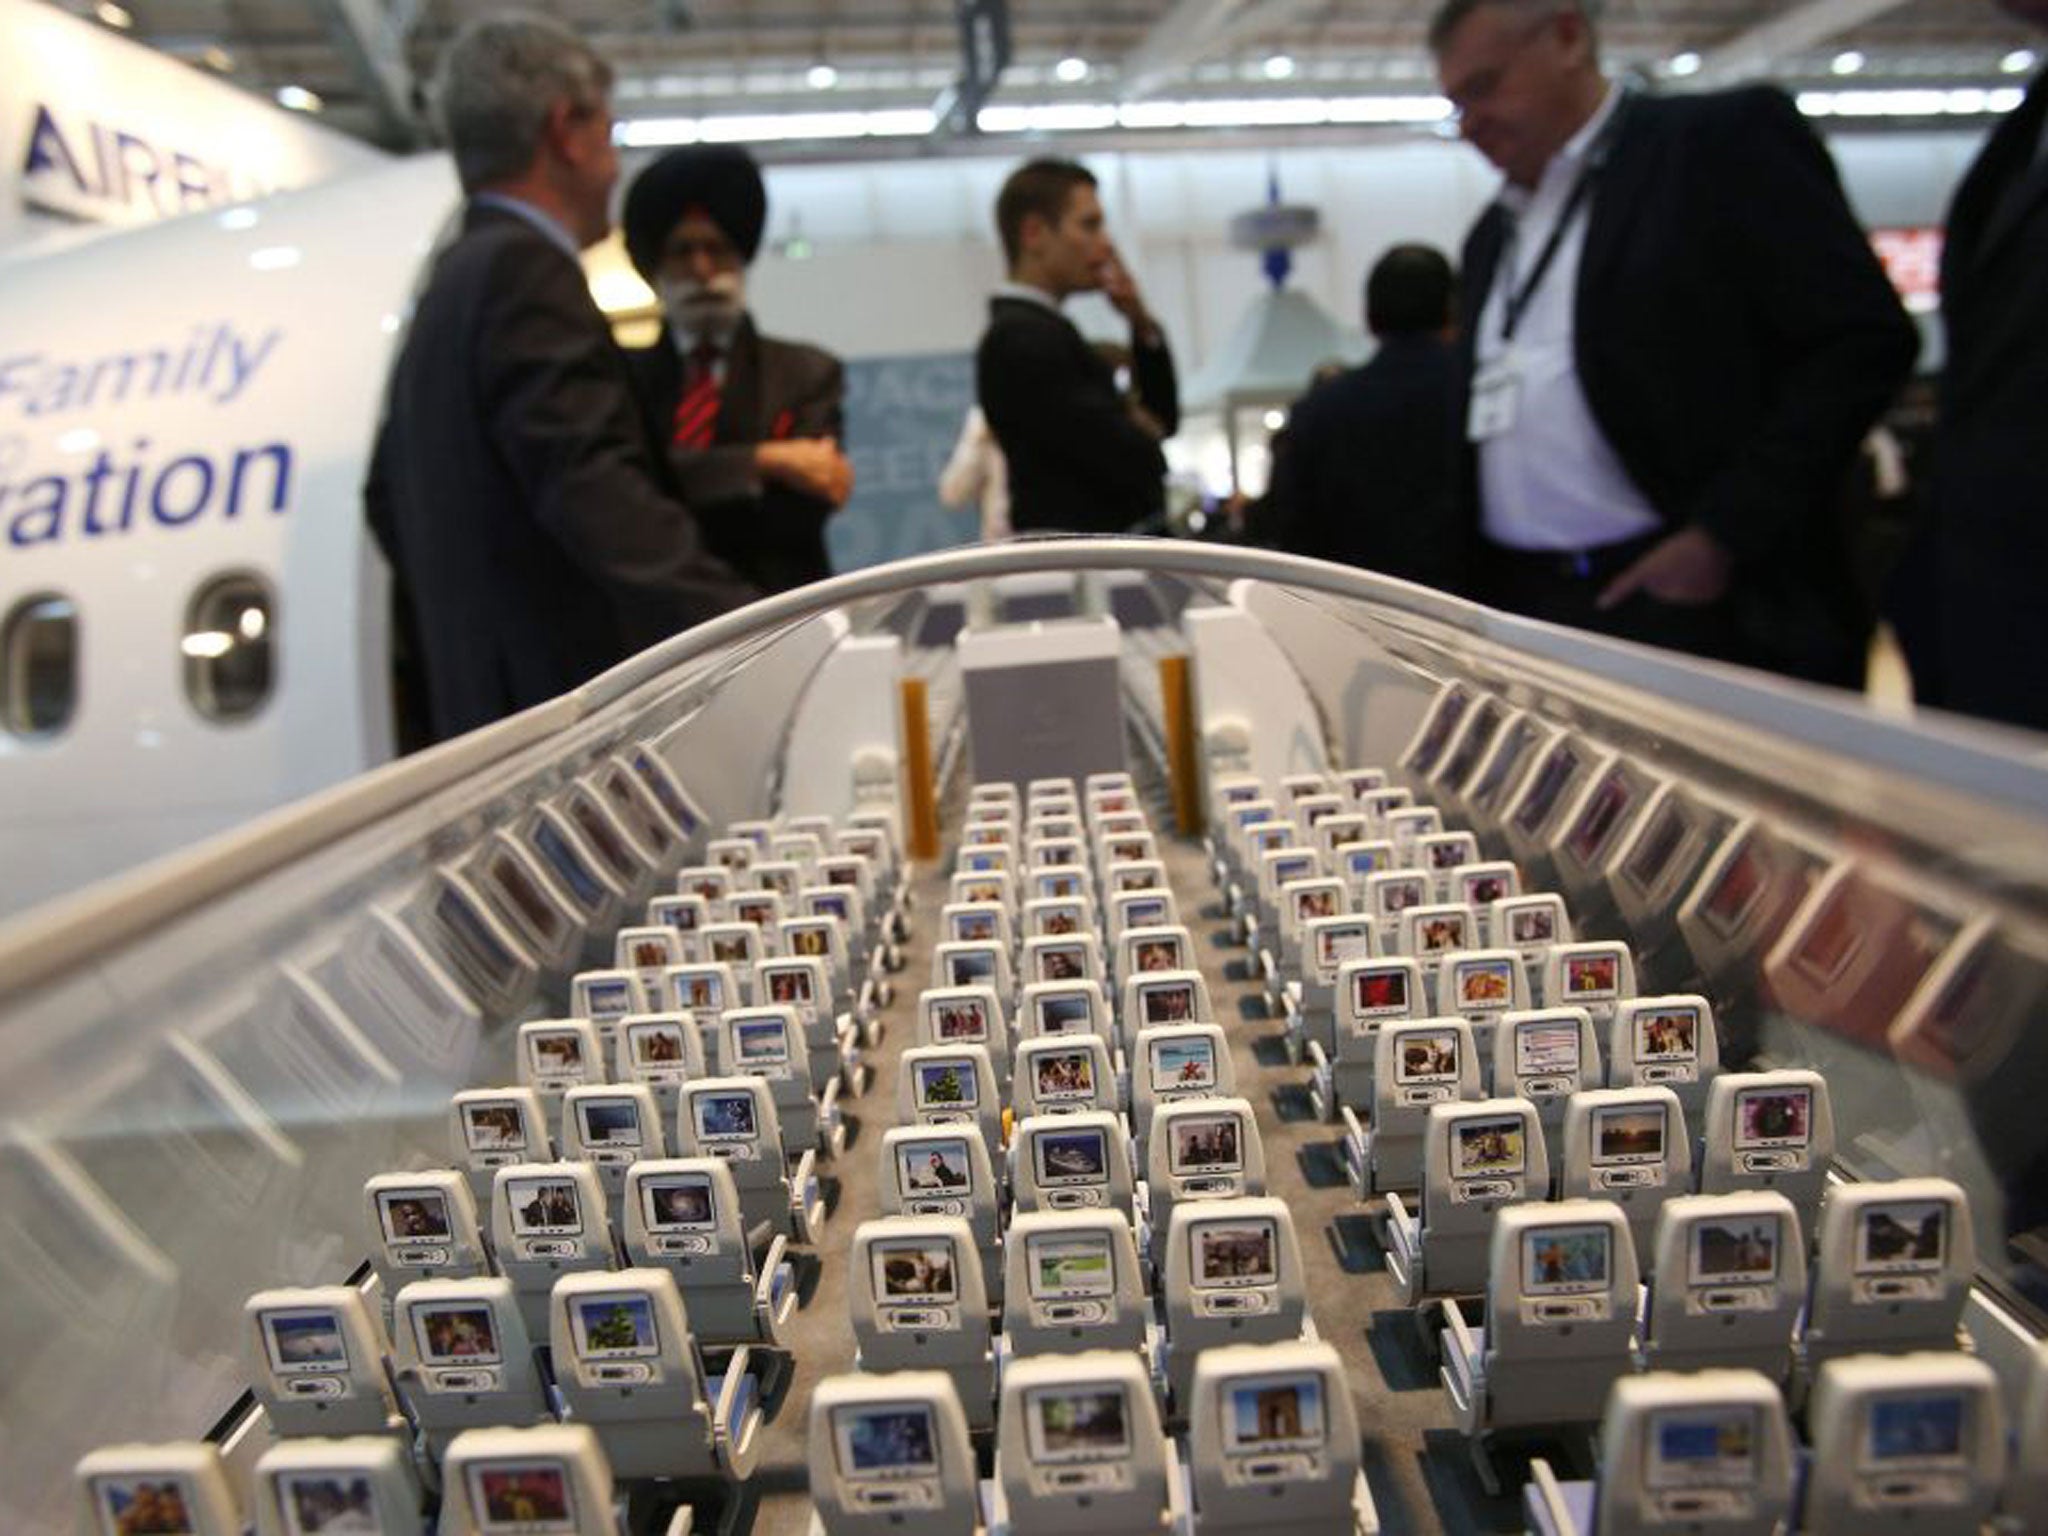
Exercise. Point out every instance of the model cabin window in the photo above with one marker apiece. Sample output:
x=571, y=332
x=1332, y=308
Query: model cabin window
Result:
x=39, y=652
x=229, y=647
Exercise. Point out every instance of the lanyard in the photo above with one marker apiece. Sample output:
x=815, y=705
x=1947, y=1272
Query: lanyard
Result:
x=1596, y=161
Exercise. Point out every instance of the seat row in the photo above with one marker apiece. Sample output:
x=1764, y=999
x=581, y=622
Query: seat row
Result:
x=565, y=1299
x=1272, y=1446
x=1059, y=1201
x=1537, y=1306
x=1899, y=1444
x=497, y=1482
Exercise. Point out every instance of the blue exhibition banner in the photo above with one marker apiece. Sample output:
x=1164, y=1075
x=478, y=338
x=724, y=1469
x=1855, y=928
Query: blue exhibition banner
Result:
x=903, y=416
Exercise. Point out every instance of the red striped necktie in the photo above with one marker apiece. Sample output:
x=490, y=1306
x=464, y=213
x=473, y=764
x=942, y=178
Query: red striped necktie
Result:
x=696, y=418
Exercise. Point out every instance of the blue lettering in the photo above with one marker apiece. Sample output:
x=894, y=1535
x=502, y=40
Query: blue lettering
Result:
x=195, y=182
x=40, y=524
x=136, y=155
x=215, y=361
x=48, y=151
x=280, y=460
x=94, y=478
x=108, y=164
x=47, y=509
x=20, y=363
x=131, y=482
x=159, y=505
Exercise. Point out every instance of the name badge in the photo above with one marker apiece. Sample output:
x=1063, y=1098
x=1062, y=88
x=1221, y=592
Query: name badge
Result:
x=1496, y=401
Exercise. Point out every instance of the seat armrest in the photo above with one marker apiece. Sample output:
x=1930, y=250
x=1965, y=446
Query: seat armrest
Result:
x=1397, y=1212
x=772, y=1286
x=803, y=1196
x=1544, y=1501
x=1179, y=1488
x=1463, y=1347
x=739, y=1398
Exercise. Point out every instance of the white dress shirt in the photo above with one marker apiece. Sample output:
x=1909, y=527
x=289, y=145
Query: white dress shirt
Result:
x=717, y=337
x=1029, y=295
x=1551, y=480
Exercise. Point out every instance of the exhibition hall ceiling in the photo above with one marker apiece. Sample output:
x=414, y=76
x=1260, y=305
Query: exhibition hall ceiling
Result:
x=360, y=62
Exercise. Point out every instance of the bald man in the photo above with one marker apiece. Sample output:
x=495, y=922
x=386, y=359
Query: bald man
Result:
x=1677, y=335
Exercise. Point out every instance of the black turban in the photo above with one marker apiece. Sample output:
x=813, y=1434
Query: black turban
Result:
x=721, y=179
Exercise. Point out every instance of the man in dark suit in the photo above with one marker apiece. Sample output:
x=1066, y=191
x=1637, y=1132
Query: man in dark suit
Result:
x=1368, y=472
x=1976, y=625
x=1082, y=459
x=528, y=522
x=753, y=424
x=1678, y=336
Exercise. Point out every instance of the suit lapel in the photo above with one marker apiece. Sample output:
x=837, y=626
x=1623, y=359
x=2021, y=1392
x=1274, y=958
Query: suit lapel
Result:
x=1618, y=196
x=1482, y=270
x=2013, y=199
x=739, y=410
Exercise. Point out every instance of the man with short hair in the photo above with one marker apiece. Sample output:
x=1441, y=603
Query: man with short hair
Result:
x=753, y=423
x=1367, y=472
x=529, y=524
x=1973, y=616
x=1676, y=335
x=1081, y=459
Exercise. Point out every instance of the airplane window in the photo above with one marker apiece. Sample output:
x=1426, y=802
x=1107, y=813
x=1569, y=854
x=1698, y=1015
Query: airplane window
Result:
x=229, y=648
x=39, y=652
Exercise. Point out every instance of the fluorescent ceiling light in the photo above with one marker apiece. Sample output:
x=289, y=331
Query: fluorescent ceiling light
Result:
x=1848, y=62
x=114, y=15
x=1279, y=67
x=1687, y=63
x=1390, y=109
x=2019, y=61
x=1057, y=117
x=1910, y=103
x=296, y=98
x=822, y=77
x=771, y=128
x=1221, y=113
x=1071, y=70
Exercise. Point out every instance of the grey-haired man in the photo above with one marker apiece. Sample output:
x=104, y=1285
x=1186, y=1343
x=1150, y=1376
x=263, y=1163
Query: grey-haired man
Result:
x=532, y=527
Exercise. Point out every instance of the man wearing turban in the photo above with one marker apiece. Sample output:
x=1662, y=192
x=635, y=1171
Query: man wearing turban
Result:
x=754, y=424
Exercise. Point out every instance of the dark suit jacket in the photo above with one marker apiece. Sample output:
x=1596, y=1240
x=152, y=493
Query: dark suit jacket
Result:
x=514, y=492
x=774, y=390
x=1989, y=651
x=1078, y=461
x=1367, y=472
x=1736, y=338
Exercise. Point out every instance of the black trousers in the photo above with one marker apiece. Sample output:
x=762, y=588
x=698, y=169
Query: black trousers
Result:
x=1562, y=587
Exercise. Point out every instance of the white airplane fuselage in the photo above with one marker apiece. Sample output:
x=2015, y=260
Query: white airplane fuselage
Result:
x=193, y=400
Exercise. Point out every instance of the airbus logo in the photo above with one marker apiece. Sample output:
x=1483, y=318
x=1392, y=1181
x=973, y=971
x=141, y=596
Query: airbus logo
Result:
x=109, y=174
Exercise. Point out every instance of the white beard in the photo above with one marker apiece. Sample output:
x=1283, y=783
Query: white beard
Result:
x=700, y=310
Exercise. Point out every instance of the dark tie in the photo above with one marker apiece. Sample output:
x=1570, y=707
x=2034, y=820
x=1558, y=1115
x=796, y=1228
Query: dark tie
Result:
x=696, y=419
